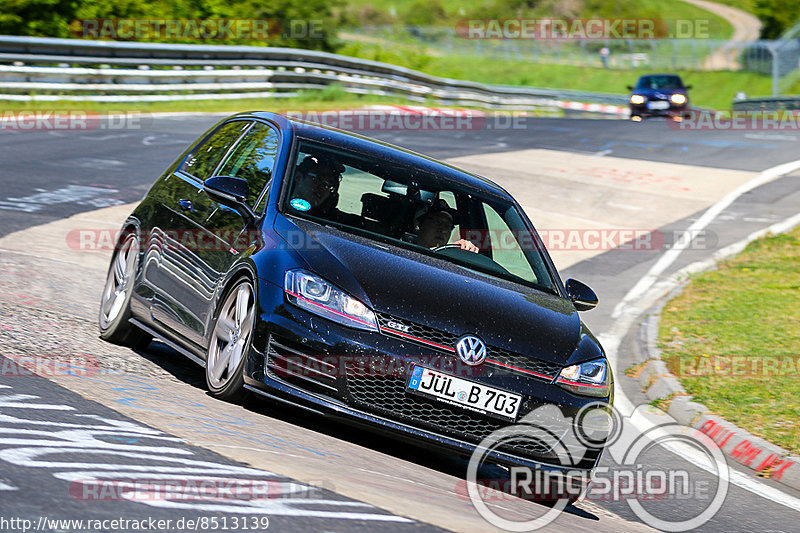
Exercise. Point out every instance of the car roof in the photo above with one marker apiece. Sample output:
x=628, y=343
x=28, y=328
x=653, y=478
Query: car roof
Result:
x=390, y=153
x=657, y=75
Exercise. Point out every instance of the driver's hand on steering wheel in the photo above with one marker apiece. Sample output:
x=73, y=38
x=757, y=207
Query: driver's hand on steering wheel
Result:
x=466, y=245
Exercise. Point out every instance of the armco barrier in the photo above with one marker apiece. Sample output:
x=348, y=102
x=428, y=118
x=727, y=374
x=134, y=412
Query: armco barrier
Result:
x=770, y=103
x=127, y=71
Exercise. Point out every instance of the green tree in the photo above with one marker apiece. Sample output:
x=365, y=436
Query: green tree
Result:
x=49, y=18
x=777, y=16
x=297, y=23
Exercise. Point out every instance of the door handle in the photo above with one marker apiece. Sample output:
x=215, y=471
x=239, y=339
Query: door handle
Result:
x=185, y=205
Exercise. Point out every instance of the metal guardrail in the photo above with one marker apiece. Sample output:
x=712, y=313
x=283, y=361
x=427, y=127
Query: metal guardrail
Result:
x=124, y=71
x=771, y=103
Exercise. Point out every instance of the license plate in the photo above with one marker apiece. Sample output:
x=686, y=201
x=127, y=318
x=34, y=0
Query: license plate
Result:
x=658, y=104
x=465, y=394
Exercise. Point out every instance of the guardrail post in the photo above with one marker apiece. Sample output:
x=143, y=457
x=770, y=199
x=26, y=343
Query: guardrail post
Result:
x=775, y=70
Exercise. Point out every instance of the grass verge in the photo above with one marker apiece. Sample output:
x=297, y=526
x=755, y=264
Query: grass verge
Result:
x=311, y=101
x=733, y=338
x=710, y=89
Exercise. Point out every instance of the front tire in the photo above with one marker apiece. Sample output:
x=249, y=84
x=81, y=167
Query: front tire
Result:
x=230, y=342
x=115, y=308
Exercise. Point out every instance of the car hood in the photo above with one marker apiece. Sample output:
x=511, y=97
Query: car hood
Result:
x=659, y=93
x=438, y=294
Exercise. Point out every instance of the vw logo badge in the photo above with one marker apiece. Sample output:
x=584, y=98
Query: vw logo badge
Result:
x=471, y=350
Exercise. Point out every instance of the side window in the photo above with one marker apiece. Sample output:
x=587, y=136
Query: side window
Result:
x=506, y=250
x=253, y=159
x=205, y=158
x=450, y=200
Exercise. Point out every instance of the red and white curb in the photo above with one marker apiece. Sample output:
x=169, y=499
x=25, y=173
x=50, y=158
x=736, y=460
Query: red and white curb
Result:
x=766, y=459
x=422, y=110
x=573, y=106
x=596, y=108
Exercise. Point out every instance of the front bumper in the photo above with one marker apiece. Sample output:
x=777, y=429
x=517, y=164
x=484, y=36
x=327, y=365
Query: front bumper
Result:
x=673, y=110
x=360, y=377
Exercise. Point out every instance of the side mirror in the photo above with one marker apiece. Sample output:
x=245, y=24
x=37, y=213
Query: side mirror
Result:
x=231, y=192
x=581, y=295
x=630, y=87
x=688, y=87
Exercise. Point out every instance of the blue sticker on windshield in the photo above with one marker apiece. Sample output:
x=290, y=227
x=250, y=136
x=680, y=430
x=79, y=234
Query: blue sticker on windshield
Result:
x=300, y=204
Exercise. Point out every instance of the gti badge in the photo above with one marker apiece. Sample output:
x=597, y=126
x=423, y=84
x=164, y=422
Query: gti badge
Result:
x=399, y=327
x=471, y=350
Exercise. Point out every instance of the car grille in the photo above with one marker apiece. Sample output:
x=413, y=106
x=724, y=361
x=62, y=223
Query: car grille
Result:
x=387, y=396
x=300, y=368
x=427, y=336
x=419, y=332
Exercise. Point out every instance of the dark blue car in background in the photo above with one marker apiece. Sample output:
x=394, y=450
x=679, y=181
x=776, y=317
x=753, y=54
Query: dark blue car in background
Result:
x=659, y=95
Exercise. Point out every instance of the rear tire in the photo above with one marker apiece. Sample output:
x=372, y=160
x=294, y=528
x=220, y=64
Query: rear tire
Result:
x=230, y=342
x=115, y=310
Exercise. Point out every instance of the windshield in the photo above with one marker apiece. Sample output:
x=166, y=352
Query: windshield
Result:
x=413, y=209
x=660, y=82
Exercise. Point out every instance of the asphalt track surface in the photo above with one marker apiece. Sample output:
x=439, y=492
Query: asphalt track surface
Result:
x=100, y=168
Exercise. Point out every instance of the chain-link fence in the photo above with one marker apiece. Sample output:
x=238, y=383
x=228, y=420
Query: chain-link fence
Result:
x=778, y=58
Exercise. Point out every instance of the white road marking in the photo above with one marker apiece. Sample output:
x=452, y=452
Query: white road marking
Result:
x=260, y=450
x=700, y=459
x=685, y=239
x=770, y=137
x=625, y=206
x=646, y=292
x=107, y=137
x=91, y=461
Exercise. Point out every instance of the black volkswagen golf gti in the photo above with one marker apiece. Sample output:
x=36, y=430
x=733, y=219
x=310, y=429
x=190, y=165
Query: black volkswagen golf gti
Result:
x=357, y=279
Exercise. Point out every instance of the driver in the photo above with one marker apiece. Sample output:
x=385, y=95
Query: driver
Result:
x=317, y=182
x=435, y=228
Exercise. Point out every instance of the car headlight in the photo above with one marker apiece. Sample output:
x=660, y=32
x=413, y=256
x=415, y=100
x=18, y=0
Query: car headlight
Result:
x=637, y=99
x=587, y=379
x=678, y=99
x=320, y=297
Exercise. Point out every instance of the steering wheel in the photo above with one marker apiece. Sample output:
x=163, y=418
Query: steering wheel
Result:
x=454, y=251
x=446, y=247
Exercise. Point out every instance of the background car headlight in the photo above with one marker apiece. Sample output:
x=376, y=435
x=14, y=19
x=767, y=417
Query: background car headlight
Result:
x=320, y=297
x=637, y=99
x=587, y=379
x=678, y=99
